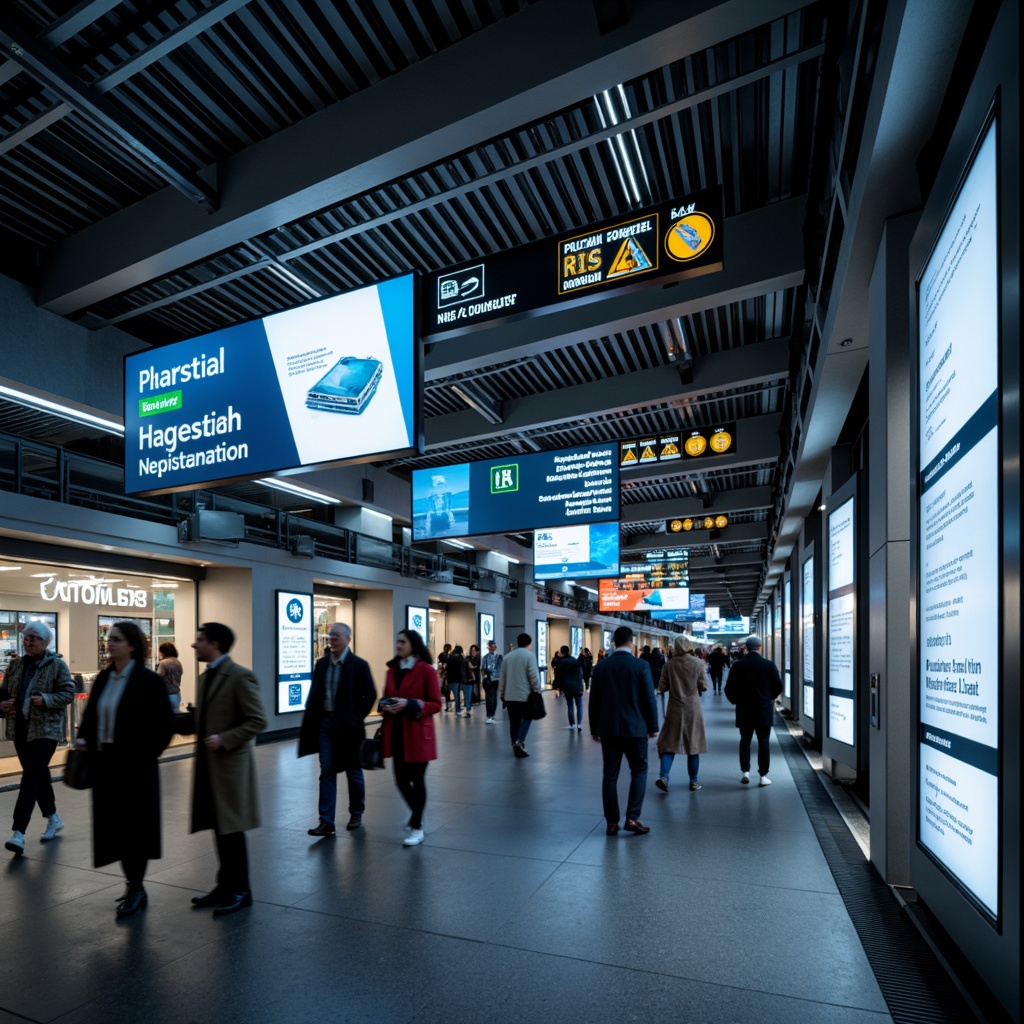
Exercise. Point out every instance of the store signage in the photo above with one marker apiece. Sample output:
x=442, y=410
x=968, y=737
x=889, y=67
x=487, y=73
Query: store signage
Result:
x=842, y=606
x=960, y=574
x=569, y=486
x=668, y=242
x=613, y=596
x=587, y=551
x=294, y=650
x=719, y=522
x=86, y=592
x=692, y=444
x=332, y=381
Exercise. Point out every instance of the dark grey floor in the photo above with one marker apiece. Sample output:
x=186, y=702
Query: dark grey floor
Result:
x=516, y=908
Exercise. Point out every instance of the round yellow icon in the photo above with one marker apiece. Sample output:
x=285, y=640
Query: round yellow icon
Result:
x=687, y=524
x=721, y=441
x=721, y=522
x=709, y=522
x=689, y=237
x=695, y=445
x=675, y=526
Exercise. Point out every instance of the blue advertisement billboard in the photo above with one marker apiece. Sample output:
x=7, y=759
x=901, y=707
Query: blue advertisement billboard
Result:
x=587, y=551
x=526, y=492
x=328, y=382
x=695, y=613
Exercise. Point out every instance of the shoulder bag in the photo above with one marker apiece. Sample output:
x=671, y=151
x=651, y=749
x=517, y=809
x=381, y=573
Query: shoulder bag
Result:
x=78, y=769
x=535, y=709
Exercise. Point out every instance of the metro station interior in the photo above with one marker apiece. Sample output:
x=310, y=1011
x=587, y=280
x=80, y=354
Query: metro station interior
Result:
x=849, y=325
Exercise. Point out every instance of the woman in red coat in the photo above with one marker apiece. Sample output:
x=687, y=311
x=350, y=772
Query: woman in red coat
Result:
x=412, y=696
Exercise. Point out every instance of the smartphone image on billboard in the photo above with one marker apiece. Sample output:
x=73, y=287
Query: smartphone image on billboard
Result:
x=347, y=387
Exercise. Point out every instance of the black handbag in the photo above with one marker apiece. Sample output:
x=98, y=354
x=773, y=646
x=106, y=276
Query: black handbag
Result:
x=535, y=709
x=183, y=723
x=78, y=769
x=371, y=752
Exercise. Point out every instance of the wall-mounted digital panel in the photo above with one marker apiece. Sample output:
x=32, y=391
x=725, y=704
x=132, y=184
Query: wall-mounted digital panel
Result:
x=541, y=647
x=842, y=608
x=485, y=631
x=587, y=551
x=959, y=577
x=332, y=381
x=575, y=640
x=807, y=632
x=612, y=598
x=294, y=650
x=526, y=492
x=417, y=618
x=787, y=638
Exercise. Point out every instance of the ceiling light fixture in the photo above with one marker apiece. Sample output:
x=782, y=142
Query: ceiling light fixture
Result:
x=302, y=492
x=67, y=412
x=459, y=544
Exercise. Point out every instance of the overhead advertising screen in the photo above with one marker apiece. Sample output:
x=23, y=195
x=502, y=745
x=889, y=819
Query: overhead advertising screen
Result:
x=807, y=630
x=669, y=242
x=611, y=597
x=841, y=615
x=697, y=612
x=567, y=487
x=576, y=552
x=668, y=555
x=332, y=381
x=294, y=650
x=688, y=524
x=959, y=538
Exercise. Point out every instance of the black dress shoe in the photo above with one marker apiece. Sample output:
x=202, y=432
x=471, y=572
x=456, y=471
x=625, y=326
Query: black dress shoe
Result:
x=354, y=822
x=325, y=828
x=132, y=903
x=635, y=826
x=211, y=899
x=232, y=902
x=612, y=829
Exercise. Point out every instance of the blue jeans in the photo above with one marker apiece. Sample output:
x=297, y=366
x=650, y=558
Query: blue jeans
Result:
x=175, y=699
x=465, y=692
x=329, y=778
x=612, y=749
x=692, y=765
x=575, y=701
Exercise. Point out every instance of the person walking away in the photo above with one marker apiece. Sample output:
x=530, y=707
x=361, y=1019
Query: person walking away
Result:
x=457, y=672
x=753, y=685
x=126, y=725
x=36, y=692
x=412, y=696
x=519, y=677
x=586, y=660
x=333, y=726
x=717, y=660
x=623, y=717
x=569, y=679
x=170, y=669
x=683, y=729
x=490, y=669
x=442, y=673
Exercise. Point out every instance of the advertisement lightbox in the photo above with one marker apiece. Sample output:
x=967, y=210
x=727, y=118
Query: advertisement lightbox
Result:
x=294, y=650
x=525, y=492
x=959, y=568
x=576, y=552
x=329, y=382
x=807, y=632
x=842, y=607
x=612, y=597
x=697, y=612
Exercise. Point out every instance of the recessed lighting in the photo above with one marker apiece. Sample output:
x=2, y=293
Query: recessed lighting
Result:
x=10, y=568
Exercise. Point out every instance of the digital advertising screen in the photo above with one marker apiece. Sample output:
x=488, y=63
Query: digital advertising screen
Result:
x=807, y=631
x=959, y=533
x=586, y=551
x=561, y=488
x=611, y=597
x=541, y=647
x=787, y=634
x=329, y=382
x=485, y=631
x=697, y=612
x=842, y=600
x=416, y=617
x=294, y=650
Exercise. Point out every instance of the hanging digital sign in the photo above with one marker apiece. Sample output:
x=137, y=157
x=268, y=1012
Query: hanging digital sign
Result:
x=294, y=650
x=697, y=612
x=588, y=551
x=959, y=537
x=690, y=444
x=329, y=382
x=613, y=596
x=688, y=524
x=670, y=242
x=527, y=492
x=841, y=622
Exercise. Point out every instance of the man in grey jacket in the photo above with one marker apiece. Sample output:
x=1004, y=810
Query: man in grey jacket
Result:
x=518, y=677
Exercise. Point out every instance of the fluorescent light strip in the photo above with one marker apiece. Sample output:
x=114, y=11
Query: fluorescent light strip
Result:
x=302, y=492
x=460, y=544
x=380, y=515
x=64, y=411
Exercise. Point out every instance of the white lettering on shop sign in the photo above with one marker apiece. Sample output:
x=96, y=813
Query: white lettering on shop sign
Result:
x=83, y=592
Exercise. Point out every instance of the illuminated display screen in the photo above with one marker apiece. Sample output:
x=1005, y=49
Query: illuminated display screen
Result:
x=294, y=650
x=841, y=609
x=612, y=597
x=576, y=552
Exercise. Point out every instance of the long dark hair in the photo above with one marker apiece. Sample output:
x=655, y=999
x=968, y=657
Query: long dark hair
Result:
x=420, y=650
x=134, y=638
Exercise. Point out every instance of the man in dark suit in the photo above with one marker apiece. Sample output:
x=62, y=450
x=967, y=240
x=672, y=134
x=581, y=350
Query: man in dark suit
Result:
x=333, y=726
x=753, y=685
x=224, y=793
x=623, y=717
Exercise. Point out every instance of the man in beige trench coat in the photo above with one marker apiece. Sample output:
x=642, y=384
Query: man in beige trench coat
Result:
x=229, y=717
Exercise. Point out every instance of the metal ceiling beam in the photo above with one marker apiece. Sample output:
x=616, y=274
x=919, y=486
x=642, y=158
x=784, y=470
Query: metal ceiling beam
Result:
x=750, y=366
x=358, y=143
x=747, y=273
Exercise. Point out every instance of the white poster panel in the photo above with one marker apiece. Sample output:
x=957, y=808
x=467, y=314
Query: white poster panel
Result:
x=959, y=538
x=841, y=622
x=542, y=647
x=486, y=631
x=787, y=636
x=807, y=623
x=294, y=650
x=417, y=618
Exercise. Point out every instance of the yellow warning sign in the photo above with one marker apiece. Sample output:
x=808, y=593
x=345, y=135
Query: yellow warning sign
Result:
x=630, y=259
x=629, y=456
x=670, y=449
x=647, y=455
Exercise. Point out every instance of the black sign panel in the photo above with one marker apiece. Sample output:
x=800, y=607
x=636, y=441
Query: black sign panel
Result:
x=669, y=242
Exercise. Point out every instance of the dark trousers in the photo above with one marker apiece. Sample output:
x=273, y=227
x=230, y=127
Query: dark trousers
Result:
x=329, y=780
x=574, y=701
x=716, y=678
x=635, y=750
x=233, y=875
x=763, y=751
x=35, y=776
x=134, y=869
x=410, y=778
x=518, y=723
x=491, y=696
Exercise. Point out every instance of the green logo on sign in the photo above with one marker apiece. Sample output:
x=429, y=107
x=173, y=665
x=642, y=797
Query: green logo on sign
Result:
x=504, y=478
x=169, y=401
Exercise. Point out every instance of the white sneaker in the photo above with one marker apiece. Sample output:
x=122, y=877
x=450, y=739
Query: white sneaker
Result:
x=16, y=844
x=54, y=826
x=414, y=838
x=765, y=781
x=570, y=727
x=490, y=721
x=745, y=778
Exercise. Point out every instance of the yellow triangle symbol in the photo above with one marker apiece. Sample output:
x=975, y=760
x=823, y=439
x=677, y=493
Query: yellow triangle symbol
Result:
x=648, y=453
x=670, y=449
x=631, y=259
x=630, y=456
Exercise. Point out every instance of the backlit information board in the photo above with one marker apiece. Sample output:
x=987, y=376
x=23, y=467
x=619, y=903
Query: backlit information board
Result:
x=294, y=650
x=807, y=630
x=587, y=551
x=841, y=611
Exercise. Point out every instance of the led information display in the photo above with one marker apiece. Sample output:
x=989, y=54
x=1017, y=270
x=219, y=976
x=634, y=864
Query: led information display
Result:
x=331, y=381
x=294, y=650
x=692, y=444
x=807, y=624
x=669, y=242
x=573, y=485
x=612, y=596
x=576, y=552
x=959, y=538
x=841, y=608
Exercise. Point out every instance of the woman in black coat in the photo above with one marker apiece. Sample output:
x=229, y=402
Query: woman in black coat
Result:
x=126, y=725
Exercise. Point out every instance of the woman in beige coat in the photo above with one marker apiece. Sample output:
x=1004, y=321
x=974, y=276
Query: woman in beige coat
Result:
x=683, y=731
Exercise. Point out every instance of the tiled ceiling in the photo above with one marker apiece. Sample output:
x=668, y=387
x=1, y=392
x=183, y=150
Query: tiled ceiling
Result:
x=107, y=105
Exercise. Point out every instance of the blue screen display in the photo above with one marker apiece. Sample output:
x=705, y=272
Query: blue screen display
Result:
x=587, y=551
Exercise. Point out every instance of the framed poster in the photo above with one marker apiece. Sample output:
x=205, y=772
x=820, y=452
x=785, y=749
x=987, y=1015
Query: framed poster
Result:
x=294, y=641
x=485, y=630
x=416, y=618
x=542, y=649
